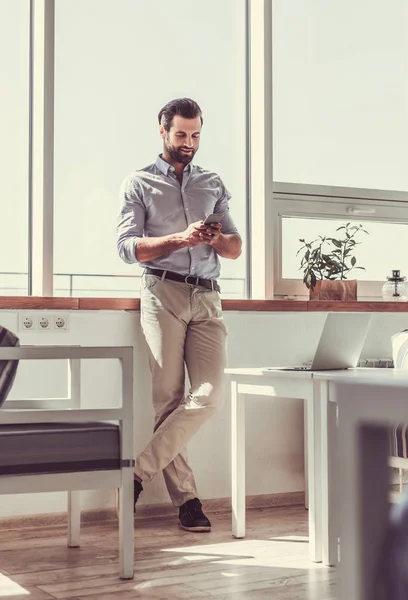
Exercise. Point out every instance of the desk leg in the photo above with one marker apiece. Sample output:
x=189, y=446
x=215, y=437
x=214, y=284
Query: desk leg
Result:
x=328, y=477
x=237, y=461
x=314, y=478
x=306, y=453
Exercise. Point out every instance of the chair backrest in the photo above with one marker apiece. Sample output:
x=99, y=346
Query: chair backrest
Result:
x=8, y=368
x=399, y=343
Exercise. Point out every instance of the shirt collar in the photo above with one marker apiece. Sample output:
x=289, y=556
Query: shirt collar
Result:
x=164, y=166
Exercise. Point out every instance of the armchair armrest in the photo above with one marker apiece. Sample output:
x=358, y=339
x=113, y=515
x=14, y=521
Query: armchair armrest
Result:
x=64, y=415
x=64, y=352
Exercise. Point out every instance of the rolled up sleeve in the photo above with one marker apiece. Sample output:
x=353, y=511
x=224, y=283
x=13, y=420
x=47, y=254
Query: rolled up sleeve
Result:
x=222, y=206
x=131, y=219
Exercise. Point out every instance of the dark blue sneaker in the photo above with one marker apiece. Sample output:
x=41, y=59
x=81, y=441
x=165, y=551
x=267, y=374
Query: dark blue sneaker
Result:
x=192, y=518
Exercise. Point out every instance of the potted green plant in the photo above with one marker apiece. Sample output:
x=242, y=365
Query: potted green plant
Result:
x=327, y=262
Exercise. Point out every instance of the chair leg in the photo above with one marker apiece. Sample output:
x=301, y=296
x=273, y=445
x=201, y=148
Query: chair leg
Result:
x=74, y=518
x=126, y=526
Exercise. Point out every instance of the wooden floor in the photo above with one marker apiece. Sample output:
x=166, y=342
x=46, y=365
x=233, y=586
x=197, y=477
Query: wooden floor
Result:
x=171, y=564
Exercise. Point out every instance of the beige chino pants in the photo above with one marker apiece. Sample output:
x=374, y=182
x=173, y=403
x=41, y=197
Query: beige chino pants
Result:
x=183, y=326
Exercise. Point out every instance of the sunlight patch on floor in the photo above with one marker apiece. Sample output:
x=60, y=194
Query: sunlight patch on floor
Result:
x=283, y=552
x=199, y=557
x=10, y=588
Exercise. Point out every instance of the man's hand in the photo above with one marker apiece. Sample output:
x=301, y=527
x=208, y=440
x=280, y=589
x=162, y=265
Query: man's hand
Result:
x=193, y=235
x=209, y=234
x=225, y=245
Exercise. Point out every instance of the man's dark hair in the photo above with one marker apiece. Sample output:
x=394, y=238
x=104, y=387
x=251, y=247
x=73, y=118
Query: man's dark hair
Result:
x=184, y=107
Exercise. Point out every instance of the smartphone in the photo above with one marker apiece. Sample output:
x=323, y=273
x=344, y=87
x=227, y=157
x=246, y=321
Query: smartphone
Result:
x=214, y=218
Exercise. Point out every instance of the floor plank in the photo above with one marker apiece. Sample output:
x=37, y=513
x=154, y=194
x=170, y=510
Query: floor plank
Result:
x=170, y=564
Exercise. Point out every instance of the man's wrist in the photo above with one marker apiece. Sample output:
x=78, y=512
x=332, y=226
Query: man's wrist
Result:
x=180, y=240
x=218, y=242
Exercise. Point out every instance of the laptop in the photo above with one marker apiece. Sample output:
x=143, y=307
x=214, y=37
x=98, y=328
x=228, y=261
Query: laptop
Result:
x=340, y=345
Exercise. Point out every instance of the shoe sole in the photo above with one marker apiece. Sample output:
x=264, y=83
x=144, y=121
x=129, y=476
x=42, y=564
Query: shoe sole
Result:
x=195, y=529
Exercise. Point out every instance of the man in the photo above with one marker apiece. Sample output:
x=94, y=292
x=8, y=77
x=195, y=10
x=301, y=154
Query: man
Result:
x=161, y=226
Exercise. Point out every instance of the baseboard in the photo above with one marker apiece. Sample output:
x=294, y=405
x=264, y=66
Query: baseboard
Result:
x=223, y=505
x=96, y=515
x=214, y=505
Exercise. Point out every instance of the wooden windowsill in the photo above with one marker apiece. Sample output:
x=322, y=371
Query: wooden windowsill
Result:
x=43, y=303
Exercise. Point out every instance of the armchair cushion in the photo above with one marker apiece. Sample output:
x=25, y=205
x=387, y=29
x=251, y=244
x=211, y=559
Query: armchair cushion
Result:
x=58, y=448
x=8, y=368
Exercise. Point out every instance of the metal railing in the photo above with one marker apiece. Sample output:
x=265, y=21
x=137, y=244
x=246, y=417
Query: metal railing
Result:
x=15, y=283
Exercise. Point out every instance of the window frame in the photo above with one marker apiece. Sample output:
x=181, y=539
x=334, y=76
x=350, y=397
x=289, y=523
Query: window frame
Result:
x=41, y=148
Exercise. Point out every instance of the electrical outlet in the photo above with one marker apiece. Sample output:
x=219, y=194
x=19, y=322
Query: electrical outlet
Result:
x=61, y=322
x=27, y=322
x=44, y=322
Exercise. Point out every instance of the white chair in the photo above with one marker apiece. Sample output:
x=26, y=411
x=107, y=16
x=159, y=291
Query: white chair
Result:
x=68, y=459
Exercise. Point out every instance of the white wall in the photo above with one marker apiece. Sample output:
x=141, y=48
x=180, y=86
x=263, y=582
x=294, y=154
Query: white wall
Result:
x=274, y=426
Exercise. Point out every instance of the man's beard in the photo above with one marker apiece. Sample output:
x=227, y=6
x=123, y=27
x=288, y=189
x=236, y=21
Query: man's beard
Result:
x=177, y=156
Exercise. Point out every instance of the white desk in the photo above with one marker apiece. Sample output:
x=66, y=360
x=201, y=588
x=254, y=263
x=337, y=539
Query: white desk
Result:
x=286, y=384
x=320, y=445
x=368, y=402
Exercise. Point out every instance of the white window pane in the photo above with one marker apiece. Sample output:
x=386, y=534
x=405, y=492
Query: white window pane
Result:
x=340, y=98
x=14, y=128
x=383, y=249
x=116, y=65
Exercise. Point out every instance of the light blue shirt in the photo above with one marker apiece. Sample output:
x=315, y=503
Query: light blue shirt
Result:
x=154, y=204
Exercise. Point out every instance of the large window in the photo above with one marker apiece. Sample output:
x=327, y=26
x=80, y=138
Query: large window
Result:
x=116, y=64
x=340, y=93
x=340, y=125
x=14, y=136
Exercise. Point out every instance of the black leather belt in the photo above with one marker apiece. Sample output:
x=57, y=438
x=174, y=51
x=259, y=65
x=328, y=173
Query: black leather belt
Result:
x=210, y=284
